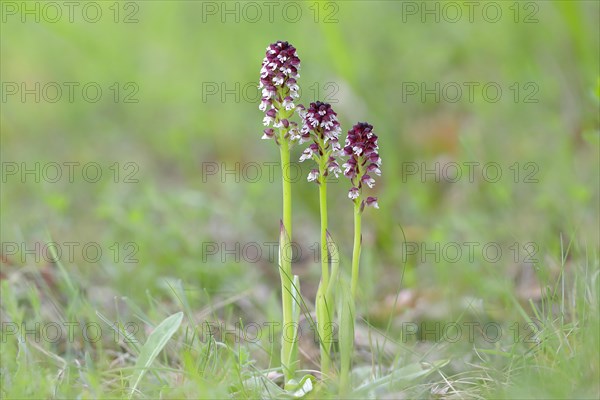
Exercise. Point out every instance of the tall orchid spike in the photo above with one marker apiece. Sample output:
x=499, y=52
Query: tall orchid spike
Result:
x=278, y=81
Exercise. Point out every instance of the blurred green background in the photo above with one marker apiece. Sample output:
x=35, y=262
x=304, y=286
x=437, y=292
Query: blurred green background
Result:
x=191, y=69
x=181, y=58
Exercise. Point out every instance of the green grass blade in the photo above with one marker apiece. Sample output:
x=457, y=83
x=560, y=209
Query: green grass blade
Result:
x=155, y=343
x=407, y=374
x=347, y=315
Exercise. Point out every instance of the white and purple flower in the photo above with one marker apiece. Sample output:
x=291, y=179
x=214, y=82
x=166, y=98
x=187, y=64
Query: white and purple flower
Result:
x=322, y=126
x=278, y=81
x=362, y=148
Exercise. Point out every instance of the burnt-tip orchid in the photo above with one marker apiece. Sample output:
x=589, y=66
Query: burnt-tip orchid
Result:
x=278, y=81
x=322, y=128
x=320, y=124
x=364, y=162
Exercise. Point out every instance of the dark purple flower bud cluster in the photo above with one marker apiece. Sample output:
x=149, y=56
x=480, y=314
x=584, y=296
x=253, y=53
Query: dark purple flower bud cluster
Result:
x=364, y=162
x=322, y=126
x=278, y=77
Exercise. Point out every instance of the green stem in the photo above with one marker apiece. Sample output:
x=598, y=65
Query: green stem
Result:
x=287, y=347
x=324, y=249
x=348, y=322
x=287, y=186
x=356, y=250
x=326, y=323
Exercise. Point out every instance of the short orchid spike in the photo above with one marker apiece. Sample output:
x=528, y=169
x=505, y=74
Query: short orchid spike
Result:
x=364, y=162
x=322, y=126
